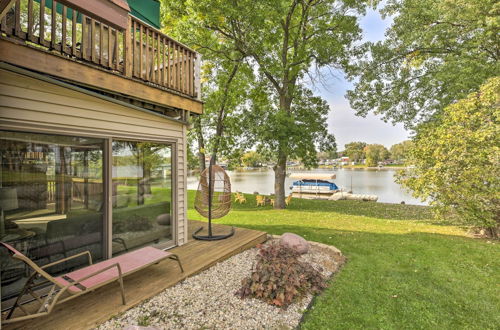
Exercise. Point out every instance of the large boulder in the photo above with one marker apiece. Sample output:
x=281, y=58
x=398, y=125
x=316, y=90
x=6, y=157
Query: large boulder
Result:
x=295, y=242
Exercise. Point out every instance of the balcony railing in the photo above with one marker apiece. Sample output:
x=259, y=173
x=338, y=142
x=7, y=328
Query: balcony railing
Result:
x=140, y=51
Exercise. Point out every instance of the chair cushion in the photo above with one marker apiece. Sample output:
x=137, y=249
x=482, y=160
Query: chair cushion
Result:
x=129, y=262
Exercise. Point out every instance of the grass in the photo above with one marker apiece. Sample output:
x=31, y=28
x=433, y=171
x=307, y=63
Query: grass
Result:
x=404, y=270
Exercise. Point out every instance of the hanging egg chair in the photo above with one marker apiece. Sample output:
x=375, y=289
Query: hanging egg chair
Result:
x=213, y=199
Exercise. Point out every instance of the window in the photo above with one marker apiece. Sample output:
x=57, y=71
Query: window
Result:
x=141, y=195
x=51, y=200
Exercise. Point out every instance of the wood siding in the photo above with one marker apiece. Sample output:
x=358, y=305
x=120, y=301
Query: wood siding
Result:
x=29, y=104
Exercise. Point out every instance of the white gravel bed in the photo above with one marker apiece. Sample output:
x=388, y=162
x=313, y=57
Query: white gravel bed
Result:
x=207, y=300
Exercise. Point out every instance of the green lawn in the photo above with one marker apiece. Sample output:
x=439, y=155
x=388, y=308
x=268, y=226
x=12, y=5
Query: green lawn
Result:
x=403, y=270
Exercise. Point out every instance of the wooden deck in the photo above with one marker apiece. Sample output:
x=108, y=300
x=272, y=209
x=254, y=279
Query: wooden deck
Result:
x=96, y=307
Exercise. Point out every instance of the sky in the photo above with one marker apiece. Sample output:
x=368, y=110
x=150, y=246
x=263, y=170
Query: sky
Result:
x=342, y=121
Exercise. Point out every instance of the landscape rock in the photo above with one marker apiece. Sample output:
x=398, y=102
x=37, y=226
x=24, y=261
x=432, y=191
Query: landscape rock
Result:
x=163, y=219
x=295, y=242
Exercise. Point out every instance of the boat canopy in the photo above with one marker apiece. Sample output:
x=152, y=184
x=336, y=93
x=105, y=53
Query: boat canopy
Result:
x=313, y=176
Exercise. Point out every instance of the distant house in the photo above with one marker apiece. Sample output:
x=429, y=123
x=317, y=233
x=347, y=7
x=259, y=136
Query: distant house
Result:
x=94, y=107
x=344, y=160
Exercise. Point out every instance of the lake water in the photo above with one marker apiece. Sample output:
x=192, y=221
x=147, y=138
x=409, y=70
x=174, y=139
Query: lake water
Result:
x=360, y=181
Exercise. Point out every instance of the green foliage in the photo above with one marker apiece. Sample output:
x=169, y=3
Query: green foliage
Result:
x=375, y=153
x=132, y=224
x=399, y=151
x=456, y=159
x=192, y=160
x=280, y=278
x=303, y=127
x=226, y=81
x=355, y=151
x=226, y=87
x=435, y=52
x=252, y=159
x=143, y=320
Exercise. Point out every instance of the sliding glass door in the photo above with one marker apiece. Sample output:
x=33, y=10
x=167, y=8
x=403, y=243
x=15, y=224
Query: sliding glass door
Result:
x=141, y=195
x=51, y=202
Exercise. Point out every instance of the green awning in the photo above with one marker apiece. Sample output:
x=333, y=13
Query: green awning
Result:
x=59, y=9
x=146, y=10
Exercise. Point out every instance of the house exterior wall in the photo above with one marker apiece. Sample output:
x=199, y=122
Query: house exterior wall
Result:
x=29, y=104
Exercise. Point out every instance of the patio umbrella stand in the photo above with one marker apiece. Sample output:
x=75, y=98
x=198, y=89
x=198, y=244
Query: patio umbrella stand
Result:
x=213, y=200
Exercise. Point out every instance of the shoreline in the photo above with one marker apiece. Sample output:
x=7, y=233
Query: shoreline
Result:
x=384, y=168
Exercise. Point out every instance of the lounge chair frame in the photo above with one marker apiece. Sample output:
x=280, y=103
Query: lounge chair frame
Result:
x=59, y=293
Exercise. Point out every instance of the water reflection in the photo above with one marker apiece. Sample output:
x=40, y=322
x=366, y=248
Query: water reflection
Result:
x=360, y=181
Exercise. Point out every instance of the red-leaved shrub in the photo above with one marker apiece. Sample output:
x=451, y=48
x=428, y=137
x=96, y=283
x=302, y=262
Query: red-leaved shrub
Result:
x=279, y=277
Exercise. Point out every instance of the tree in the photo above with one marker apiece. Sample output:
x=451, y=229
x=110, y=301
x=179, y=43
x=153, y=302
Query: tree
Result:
x=355, y=151
x=218, y=129
x=399, y=151
x=326, y=155
x=225, y=84
x=304, y=127
x=375, y=153
x=193, y=161
x=283, y=39
x=456, y=160
x=435, y=52
x=252, y=159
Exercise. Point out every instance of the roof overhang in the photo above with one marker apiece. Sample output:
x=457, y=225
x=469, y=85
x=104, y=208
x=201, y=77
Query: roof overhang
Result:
x=112, y=12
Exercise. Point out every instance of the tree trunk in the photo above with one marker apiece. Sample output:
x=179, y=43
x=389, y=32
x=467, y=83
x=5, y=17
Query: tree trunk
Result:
x=201, y=144
x=147, y=178
x=279, y=181
x=280, y=168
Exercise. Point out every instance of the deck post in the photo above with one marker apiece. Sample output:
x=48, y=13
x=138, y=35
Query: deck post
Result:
x=128, y=56
x=197, y=77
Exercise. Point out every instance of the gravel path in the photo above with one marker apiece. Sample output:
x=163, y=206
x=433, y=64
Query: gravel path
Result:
x=207, y=300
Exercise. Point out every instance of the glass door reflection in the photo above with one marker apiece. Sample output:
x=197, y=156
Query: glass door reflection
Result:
x=141, y=195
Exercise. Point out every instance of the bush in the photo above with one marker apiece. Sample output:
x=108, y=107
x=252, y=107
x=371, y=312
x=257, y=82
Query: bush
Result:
x=456, y=160
x=132, y=224
x=280, y=278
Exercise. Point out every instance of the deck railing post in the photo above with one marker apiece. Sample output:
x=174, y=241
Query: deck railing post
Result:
x=197, y=77
x=128, y=54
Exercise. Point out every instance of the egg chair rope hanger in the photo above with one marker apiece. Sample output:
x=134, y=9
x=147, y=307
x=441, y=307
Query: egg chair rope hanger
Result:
x=213, y=199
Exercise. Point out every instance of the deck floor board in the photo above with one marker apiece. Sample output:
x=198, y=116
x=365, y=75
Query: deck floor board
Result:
x=96, y=307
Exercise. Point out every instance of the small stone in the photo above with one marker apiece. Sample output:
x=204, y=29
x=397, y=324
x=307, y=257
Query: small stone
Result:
x=295, y=242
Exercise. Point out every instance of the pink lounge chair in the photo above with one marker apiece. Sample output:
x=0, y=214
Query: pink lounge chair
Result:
x=81, y=281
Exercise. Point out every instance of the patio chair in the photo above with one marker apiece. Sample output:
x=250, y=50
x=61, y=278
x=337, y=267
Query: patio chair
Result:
x=288, y=200
x=260, y=200
x=242, y=199
x=81, y=281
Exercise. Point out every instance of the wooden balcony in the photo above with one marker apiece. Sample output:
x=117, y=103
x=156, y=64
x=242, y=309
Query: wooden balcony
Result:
x=131, y=59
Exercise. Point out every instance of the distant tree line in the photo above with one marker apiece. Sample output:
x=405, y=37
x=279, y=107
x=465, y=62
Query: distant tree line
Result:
x=372, y=154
